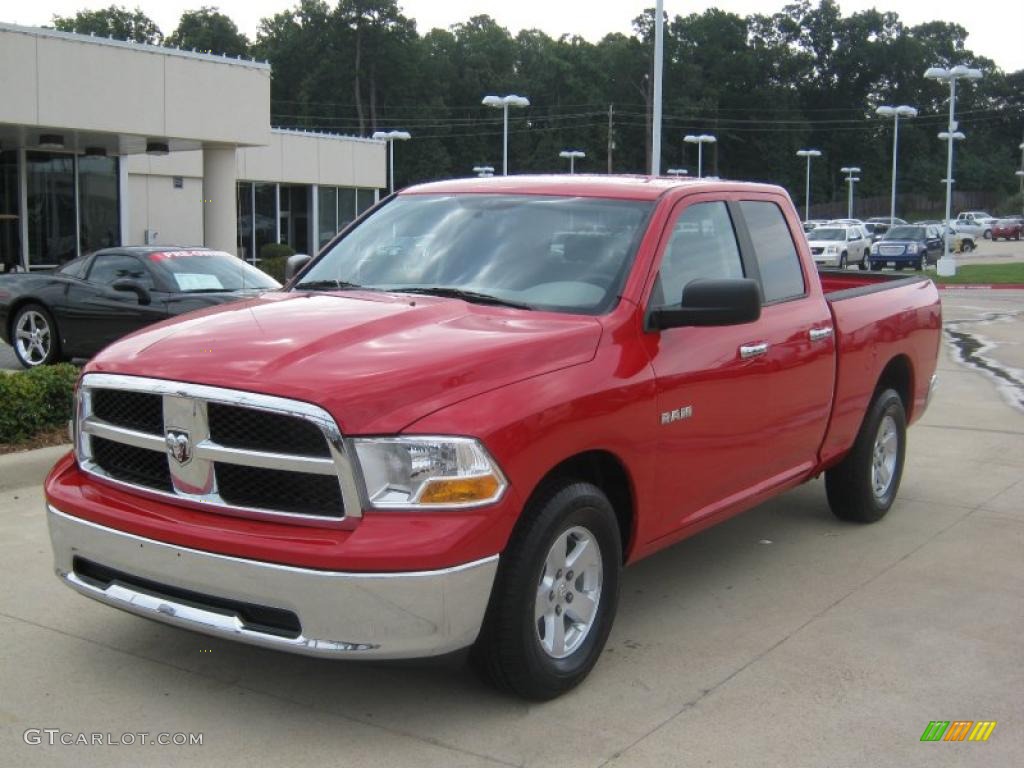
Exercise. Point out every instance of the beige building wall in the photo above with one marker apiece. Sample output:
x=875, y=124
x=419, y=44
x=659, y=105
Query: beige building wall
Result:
x=314, y=158
x=176, y=215
x=136, y=92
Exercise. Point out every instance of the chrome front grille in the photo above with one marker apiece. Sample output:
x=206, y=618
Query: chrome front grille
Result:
x=891, y=250
x=229, y=451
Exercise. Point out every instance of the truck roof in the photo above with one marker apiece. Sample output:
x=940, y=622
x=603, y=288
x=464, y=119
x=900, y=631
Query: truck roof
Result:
x=582, y=185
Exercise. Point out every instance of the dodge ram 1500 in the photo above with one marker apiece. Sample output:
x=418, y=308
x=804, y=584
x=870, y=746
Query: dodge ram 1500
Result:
x=458, y=422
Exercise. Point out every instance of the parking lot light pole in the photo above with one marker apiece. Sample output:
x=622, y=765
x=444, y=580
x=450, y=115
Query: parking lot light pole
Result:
x=700, y=141
x=572, y=155
x=896, y=113
x=851, y=180
x=1020, y=175
x=503, y=103
x=808, y=153
x=391, y=137
x=947, y=264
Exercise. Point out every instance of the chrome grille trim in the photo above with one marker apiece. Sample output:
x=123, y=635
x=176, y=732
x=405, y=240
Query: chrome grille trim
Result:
x=194, y=481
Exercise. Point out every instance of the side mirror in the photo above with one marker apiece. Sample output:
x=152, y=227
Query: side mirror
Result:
x=295, y=264
x=711, y=302
x=129, y=285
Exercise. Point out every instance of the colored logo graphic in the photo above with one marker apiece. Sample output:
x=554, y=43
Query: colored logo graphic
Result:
x=958, y=730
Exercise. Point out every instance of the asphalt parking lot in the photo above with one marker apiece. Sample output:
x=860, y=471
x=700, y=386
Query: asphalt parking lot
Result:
x=781, y=638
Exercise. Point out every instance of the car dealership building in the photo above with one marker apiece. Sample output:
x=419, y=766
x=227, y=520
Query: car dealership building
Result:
x=104, y=143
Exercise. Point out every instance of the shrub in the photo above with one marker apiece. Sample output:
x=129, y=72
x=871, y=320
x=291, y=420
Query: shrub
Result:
x=34, y=400
x=273, y=257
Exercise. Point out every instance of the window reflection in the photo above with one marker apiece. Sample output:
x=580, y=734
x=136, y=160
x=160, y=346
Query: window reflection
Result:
x=51, y=208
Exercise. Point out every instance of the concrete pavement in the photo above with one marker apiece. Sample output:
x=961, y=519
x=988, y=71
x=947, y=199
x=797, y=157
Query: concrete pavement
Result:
x=780, y=638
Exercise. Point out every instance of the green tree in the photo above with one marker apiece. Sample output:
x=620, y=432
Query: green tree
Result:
x=115, y=21
x=210, y=31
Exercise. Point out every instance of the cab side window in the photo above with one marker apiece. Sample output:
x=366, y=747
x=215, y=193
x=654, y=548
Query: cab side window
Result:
x=777, y=259
x=702, y=245
x=106, y=268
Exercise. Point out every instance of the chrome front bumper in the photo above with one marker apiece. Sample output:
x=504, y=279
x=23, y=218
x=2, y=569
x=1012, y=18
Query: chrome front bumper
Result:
x=341, y=615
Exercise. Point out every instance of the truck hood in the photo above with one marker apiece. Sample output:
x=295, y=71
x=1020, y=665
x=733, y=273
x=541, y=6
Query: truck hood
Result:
x=375, y=361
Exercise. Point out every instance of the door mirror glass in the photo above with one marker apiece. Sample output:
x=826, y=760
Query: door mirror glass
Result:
x=709, y=302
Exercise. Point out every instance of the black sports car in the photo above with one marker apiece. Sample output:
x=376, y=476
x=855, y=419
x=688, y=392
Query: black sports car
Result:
x=84, y=305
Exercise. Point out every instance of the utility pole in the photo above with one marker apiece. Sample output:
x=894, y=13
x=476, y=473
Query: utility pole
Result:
x=611, y=141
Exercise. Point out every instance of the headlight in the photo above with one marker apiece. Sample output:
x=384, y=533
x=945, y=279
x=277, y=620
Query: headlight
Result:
x=874, y=248
x=911, y=247
x=428, y=472
x=832, y=249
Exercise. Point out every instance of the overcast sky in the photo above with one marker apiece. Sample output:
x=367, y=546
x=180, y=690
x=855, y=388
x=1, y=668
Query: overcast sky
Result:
x=996, y=27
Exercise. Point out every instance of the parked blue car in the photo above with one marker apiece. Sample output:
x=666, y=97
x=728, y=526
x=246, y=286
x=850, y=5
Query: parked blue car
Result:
x=907, y=245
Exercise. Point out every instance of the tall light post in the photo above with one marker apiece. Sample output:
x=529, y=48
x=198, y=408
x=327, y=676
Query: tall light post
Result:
x=391, y=137
x=677, y=172
x=1020, y=175
x=700, y=141
x=483, y=171
x=947, y=264
x=572, y=155
x=808, y=153
x=895, y=113
x=503, y=103
x=851, y=179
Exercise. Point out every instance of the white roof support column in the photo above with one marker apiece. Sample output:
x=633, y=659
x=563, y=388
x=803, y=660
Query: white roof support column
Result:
x=220, y=209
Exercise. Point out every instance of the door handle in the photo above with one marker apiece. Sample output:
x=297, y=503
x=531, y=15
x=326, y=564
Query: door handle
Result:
x=748, y=351
x=819, y=334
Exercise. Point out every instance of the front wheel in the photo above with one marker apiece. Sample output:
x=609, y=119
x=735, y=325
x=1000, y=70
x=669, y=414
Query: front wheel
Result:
x=34, y=337
x=842, y=261
x=863, y=486
x=555, y=595
x=988, y=234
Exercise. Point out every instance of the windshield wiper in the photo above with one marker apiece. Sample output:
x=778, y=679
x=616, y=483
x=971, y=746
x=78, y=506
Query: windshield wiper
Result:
x=474, y=297
x=329, y=285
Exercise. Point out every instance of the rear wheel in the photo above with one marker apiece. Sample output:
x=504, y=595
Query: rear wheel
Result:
x=863, y=486
x=988, y=234
x=555, y=596
x=34, y=336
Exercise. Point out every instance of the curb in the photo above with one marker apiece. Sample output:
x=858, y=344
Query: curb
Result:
x=980, y=286
x=28, y=468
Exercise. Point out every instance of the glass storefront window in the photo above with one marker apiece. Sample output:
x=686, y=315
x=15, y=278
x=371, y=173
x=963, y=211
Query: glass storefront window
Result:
x=295, y=216
x=99, y=224
x=327, y=207
x=346, y=206
x=244, y=240
x=10, y=231
x=51, y=208
x=265, y=219
x=364, y=199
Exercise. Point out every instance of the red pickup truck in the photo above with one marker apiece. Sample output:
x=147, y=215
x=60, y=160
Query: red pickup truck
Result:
x=456, y=424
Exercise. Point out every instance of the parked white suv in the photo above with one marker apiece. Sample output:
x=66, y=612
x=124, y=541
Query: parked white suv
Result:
x=837, y=246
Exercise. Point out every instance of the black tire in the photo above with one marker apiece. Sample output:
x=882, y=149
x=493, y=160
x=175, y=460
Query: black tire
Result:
x=850, y=485
x=509, y=651
x=35, y=318
x=876, y=266
x=842, y=261
x=987, y=234
x=865, y=261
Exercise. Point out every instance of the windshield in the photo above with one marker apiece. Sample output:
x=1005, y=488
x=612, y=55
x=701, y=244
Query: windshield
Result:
x=904, y=233
x=565, y=254
x=828, y=234
x=209, y=272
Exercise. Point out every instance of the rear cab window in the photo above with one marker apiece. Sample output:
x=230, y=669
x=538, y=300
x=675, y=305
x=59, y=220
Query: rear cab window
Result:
x=782, y=276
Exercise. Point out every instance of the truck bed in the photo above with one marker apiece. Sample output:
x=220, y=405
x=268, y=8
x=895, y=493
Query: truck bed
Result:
x=880, y=320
